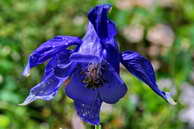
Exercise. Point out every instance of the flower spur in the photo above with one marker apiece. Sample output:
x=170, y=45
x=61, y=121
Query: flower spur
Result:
x=91, y=68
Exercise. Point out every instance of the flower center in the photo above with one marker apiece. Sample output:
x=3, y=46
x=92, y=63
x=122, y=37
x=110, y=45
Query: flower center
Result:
x=93, y=76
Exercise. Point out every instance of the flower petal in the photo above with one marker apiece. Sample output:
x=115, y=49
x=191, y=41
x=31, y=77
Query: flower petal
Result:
x=143, y=70
x=65, y=70
x=50, y=67
x=63, y=57
x=110, y=52
x=98, y=17
x=76, y=57
x=113, y=88
x=59, y=60
x=112, y=31
x=77, y=90
x=51, y=80
x=91, y=46
x=45, y=90
x=106, y=31
x=48, y=49
x=89, y=112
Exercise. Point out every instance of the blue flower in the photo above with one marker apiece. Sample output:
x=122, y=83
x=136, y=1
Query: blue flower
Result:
x=90, y=70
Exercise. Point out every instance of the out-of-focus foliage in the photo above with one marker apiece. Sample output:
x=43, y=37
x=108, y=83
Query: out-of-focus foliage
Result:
x=162, y=30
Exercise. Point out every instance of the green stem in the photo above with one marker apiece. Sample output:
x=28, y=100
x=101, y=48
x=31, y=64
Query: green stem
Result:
x=98, y=127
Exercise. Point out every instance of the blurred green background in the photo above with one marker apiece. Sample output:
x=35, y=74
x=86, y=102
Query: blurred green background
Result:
x=161, y=30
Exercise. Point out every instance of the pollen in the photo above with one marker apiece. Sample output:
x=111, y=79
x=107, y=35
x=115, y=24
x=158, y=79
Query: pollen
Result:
x=93, y=76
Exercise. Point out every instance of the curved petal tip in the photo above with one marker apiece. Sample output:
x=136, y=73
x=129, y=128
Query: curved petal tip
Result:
x=170, y=99
x=26, y=71
x=104, y=6
x=99, y=9
x=28, y=100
